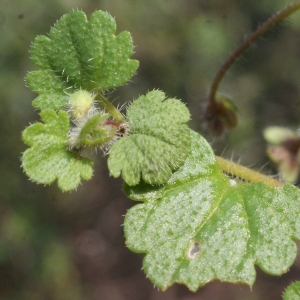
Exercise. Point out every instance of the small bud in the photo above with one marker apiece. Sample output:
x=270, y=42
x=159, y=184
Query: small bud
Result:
x=220, y=115
x=80, y=103
x=91, y=132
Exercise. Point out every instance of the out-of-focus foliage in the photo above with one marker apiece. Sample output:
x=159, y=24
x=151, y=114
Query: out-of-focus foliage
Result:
x=283, y=150
x=71, y=246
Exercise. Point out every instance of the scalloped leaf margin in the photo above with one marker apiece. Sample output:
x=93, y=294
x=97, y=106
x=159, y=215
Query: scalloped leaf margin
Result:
x=79, y=54
x=158, y=143
x=292, y=292
x=48, y=158
x=202, y=226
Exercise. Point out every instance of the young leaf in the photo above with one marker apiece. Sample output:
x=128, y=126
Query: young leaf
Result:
x=158, y=143
x=93, y=133
x=202, y=225
x=48, y=158
x=79, y=55
x=292, y=292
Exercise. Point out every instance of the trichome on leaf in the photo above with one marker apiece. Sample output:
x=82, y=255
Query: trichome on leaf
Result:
x=79, y=54
x=48, y=158
x=238, y=226
x=194, y=224
x=158, y=143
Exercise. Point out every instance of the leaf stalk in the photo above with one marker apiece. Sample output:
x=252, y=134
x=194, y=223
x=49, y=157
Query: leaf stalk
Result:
x=245, y=173
x=111, y=109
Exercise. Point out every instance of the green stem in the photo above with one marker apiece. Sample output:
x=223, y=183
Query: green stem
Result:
x=111, y=109
x=246, y=43
x=246, y=174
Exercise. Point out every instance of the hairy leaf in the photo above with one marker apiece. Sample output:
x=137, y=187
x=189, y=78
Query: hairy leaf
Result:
x=202, y=225
x=48, y=158
x=79, y=54
x=158, y=143
x=292, y=292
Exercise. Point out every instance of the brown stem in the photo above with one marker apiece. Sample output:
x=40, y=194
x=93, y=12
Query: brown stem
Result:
x=252, y=37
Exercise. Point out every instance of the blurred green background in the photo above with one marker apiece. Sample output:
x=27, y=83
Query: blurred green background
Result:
x=56, y=245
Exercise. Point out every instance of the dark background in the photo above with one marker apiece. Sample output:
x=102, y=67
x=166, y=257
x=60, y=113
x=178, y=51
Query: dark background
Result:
x=56, y=245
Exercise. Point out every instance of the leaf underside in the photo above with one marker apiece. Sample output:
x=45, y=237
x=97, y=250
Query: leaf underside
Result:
x=48, y=158
x=79, y=54
x=158, y=143
x=202, y=225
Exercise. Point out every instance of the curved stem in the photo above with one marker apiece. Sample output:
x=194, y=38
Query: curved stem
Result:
x=111, y=109
x=226, y=165
x=246, y=43
x=242, y=172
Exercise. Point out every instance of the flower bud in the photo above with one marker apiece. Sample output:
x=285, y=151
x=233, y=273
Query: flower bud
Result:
x=80, y=103
x=220, y=115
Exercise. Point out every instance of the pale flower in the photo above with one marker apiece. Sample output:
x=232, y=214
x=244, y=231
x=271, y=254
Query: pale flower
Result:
x=283, y=150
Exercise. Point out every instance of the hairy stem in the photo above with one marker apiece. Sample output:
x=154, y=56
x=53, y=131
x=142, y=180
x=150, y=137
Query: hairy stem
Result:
x=246, y=43
x=111, y=109
x=213, y=107
x=244, y=173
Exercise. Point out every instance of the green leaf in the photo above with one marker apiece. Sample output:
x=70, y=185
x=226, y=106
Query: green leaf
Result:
x=158, y=143
x=202, y=225
x=48, y=158
x=79, y=54
x=292, y=292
